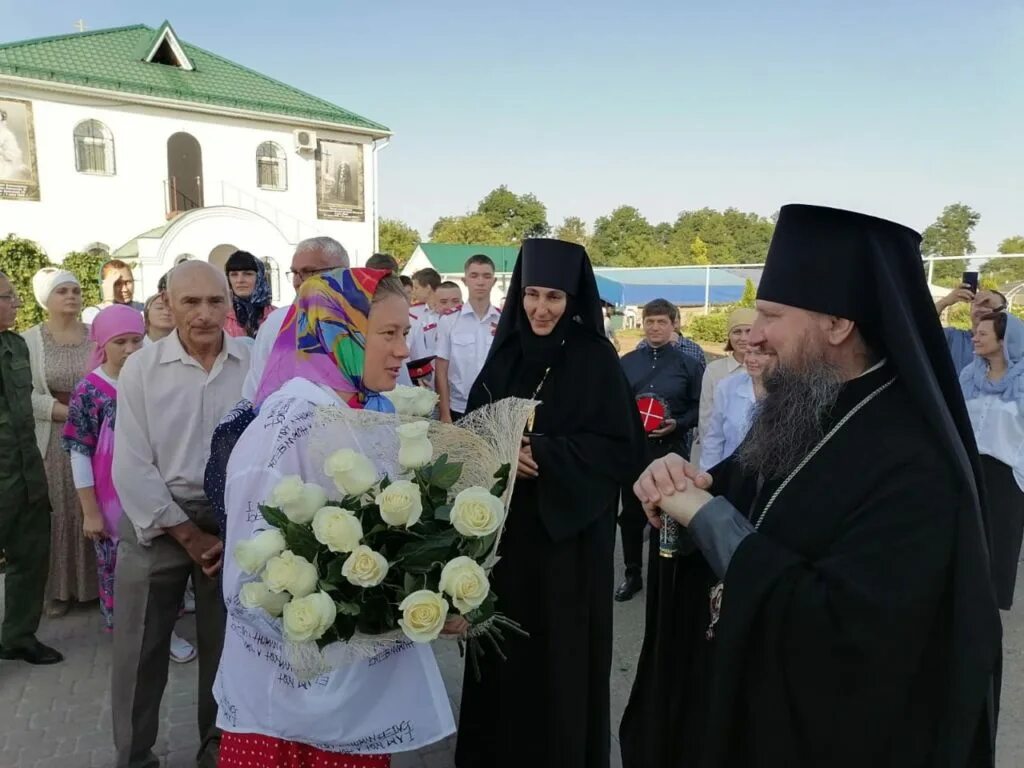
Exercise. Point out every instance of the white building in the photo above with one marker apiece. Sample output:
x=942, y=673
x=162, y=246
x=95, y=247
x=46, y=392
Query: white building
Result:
x=155, y=150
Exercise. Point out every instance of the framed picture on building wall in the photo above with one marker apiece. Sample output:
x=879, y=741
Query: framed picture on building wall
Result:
x=339, y=181
x=19, y=177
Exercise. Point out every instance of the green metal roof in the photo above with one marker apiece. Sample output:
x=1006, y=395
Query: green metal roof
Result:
x=112, y=60
x=448, y=258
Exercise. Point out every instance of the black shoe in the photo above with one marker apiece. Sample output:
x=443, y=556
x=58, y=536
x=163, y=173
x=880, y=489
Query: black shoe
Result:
x=628, y=588
x=36, y=653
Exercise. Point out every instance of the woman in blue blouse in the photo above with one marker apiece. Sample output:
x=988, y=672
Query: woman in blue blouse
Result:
x=735, y=397
x=993, y=386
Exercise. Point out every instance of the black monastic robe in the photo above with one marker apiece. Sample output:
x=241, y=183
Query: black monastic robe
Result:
x=835, y=645
x=548, y=705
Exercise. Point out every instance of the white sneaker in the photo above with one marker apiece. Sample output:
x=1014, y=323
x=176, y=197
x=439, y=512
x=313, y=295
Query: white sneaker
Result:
x=182, y=651
x=189, y=603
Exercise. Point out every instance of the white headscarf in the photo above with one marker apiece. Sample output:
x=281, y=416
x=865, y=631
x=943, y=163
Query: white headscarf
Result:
x=47, y=279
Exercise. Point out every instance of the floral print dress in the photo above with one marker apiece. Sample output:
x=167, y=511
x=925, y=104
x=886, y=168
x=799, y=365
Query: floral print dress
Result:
x=89, y=430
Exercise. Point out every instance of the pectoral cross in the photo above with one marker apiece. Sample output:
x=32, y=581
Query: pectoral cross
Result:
x=80, y=25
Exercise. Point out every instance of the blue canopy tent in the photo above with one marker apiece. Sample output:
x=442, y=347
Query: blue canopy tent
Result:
x=683, y=286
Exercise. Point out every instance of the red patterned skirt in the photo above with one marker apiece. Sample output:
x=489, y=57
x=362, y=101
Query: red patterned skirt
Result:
x=252, y=750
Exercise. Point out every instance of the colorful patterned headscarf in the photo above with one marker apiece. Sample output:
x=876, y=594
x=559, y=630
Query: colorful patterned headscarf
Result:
x=323, y=338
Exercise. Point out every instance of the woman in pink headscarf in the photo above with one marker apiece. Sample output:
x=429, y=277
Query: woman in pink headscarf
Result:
x=88, y=436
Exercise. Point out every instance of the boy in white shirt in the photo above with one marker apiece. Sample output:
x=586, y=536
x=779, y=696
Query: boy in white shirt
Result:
x=464, y=339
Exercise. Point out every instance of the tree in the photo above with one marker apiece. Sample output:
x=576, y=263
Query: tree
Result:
x=514, y=217
x=709, y=226
x=86, y=267
x=698, y=252
x=750, y=233
x=398, y=239
x=749, y=298
x=473, y=229
x=574, y=230
x=20, y=259
x=624, y=238
x=950, y=235
x=1007, y=271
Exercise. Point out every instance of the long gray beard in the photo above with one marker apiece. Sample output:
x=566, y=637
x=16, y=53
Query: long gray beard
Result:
x=790, y=420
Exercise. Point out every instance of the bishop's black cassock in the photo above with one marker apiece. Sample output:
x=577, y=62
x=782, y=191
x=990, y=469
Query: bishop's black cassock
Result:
x=858, y=623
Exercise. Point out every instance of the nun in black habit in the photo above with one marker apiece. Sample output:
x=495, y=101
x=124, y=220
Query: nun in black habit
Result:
x=548, y=704
x=857, y=620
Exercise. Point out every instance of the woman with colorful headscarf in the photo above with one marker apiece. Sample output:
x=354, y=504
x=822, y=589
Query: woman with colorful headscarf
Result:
x=58, y=350
x=250, y=294
x=342, y=344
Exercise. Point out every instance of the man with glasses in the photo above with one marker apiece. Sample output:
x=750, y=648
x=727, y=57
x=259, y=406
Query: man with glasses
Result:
x=312, y=257
x=25, y=511
x=982, y=303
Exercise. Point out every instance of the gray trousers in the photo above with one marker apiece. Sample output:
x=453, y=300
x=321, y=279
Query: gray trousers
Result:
x=149, y=582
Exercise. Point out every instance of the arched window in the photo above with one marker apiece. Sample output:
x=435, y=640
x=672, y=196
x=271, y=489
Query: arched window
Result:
x=94, y=148
x=271, y=166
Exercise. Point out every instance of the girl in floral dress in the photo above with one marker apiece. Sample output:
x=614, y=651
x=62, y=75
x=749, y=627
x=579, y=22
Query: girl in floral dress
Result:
x=118, y=331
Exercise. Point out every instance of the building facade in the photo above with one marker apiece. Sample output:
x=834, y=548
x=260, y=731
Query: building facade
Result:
x=131, y=141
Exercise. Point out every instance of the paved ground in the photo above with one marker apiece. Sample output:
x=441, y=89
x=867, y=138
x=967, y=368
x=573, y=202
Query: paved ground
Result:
x=59, y=717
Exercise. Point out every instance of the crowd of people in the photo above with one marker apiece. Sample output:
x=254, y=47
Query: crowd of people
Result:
x=804, y=606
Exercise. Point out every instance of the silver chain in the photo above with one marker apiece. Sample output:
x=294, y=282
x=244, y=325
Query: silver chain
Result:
x=818, y=447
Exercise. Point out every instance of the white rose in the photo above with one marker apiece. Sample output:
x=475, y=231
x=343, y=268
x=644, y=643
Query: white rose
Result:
x=465, y=582
x=404, y=399
x=423, y=615
x=298, y=500
x=307, y=618
x=292, y=573
x=287, y=492
x=400, y=504
x=353, y=473
x=252, y=554
x=477, y=512
x=256, y=595
x=364, y=567
x=423, y=401
x=414, y=449
x=337, y=529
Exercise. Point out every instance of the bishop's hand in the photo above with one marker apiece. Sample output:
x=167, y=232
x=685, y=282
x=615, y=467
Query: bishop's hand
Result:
x=669, y=476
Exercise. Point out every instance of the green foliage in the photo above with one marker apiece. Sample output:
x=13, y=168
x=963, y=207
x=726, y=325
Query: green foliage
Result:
x=1005, y=272
x=713, y=327
x=699, y=252
x=749, y=295
x=86, y=267
x=472, y=229
x=959, y=316
x=950, y=235
x=574, y=230
x=398, y=239
x=20, y=259
x=514, y=217
x=625, y=238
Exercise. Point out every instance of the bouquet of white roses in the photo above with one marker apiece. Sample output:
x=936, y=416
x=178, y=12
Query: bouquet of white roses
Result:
x=386, y=556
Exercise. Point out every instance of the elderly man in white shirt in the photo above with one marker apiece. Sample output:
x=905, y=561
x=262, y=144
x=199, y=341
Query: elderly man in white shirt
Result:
x=171, y=395
x=464, y=339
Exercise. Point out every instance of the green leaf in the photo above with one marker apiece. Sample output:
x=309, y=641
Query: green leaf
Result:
x=421, y=556
x=501, y=477
x=348, y=609
x=333, y=575
x=443, y=513
x=478, y=548
x=485, y=611
x=275, y=517
x=411, y=583
x=446, y=476
x=301, y=541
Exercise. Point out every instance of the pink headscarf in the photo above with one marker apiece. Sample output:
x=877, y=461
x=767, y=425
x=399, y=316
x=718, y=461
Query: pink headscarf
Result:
x=111, y=322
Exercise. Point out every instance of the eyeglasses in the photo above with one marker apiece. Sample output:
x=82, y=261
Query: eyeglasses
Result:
x=305, y=274
x=12, y=297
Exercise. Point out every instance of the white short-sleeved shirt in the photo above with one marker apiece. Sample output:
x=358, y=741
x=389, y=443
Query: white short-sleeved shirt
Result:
x=999, y=430
x=463, y=339
x=393, y=702
x=423, y=335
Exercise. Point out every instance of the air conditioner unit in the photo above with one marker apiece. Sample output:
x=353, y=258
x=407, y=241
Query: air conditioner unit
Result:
x=305, y=141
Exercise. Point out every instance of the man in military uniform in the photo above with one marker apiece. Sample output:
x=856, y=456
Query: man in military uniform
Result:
x=25, y=509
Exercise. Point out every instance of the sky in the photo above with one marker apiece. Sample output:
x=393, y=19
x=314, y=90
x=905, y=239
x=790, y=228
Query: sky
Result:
x=894, y=108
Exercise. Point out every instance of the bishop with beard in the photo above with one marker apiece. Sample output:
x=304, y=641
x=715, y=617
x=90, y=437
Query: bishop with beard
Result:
x=830, y=603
